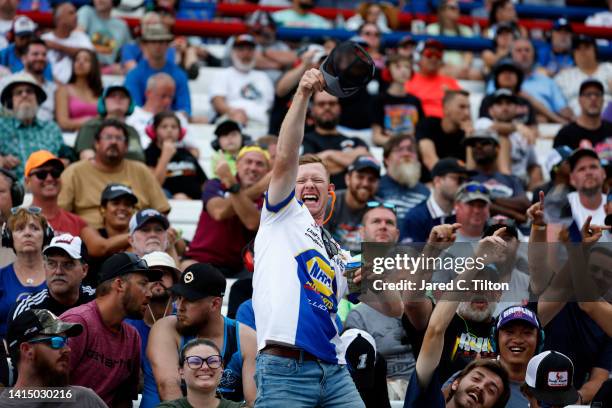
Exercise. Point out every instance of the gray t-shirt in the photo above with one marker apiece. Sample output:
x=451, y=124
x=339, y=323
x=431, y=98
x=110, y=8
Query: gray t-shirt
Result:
x=82, y=398
x=390, y=337
x=345, y=222
x=106, y=35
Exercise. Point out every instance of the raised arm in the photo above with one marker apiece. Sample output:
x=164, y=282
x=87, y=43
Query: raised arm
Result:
x=285, y=168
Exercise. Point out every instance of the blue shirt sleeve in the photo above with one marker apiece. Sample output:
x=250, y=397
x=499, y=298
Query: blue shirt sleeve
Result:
x=182, y=99
x=48, y=73
x=430, y=397
x=604, y=359
x=130, y=52
x=558, y=100
x=245, y=314
x=133, y=84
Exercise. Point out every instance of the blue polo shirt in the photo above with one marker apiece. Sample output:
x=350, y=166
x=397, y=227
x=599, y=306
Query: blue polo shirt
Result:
x=404, y=198
x=136, y=83
x=420, y=220
x=9, y=59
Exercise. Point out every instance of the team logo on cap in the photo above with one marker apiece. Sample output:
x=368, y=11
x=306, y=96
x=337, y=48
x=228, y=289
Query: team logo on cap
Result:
x=149, y=212
x=558, y=379
x=188, y=278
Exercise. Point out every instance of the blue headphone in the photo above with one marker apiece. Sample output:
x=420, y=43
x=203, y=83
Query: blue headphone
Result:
x=495, y=333
x=102, y=106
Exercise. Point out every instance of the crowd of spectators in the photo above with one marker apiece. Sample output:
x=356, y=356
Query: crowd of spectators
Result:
x=86, y=232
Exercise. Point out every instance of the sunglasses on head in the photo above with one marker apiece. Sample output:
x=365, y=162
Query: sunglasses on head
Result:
x=55, y=342
x=386, y=204
x=30, y=210
x=42, y=174
x=476, y=188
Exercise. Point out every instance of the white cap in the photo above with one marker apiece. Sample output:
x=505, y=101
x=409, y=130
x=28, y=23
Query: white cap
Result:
x=351, y=334
x=158, y=258
x=23, y=24
x=71, y=245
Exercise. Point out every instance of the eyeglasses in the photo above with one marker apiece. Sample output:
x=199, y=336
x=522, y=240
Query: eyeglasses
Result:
x=196, y=362
x=53, y=265
x=30, y=210
x=55, y=342
x=386, y=204
x=116, y=138
x=592, y=94
x=42, y=174
x=23, y=91
x=371, y=33
x=476, y=188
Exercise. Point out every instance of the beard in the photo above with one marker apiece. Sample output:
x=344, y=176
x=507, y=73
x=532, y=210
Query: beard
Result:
x=406, y=173
x=49, y=374
x=465, y=310
x=132, y=311
x=485, y=160
x=241, y=66
x=327, y=124
x=25, y=113
x=192, y=329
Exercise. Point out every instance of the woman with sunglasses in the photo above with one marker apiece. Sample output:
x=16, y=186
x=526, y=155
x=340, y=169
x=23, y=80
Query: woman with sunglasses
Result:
x=25, y=232
x=201, y=367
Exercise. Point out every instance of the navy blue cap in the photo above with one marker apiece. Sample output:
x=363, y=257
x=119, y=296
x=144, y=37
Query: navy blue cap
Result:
x=365, y=162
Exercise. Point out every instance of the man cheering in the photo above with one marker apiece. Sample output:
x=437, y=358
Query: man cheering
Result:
x=300, y=358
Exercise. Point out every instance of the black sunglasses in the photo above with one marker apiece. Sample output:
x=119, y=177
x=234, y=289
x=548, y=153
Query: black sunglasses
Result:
x=42, y=174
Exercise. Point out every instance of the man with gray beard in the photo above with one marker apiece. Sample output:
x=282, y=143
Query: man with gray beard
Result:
x=241, y=93
x=401, y=186
x=467, y=335
x=21, y=133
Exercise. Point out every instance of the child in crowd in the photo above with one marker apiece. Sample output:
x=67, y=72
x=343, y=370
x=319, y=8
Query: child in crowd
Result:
x=228, y=143
x=176, y=169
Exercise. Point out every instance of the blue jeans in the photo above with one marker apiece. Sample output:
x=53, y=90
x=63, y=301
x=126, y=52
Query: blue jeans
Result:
x=285, y=382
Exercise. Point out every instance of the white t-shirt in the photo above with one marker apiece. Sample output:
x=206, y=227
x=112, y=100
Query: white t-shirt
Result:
x=140, y=118
x=580, y=214
x=252, y=91
x=61, y=64
x=296, y=288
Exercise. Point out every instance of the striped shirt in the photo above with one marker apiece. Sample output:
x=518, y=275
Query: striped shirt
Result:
x=43, y=300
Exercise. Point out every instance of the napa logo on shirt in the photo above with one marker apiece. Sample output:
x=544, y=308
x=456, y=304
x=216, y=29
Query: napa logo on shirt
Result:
x=318, y=278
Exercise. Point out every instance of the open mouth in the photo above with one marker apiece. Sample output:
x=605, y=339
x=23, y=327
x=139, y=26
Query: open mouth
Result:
x=310, y=198
x=474, y=396
x=516, y=350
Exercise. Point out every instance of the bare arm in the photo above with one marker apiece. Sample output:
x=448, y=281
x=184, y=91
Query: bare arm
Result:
x=590, y=388
x=163, y=355
x=429, y=156
x=600, y=312
x=220, y=208
x=99, y=246
x=62, y=115
x=379, y=136
x=290, y=139
x=248, y=345
x=160, y=170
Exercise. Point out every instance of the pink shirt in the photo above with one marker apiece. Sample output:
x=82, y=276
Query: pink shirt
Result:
x=106, y=362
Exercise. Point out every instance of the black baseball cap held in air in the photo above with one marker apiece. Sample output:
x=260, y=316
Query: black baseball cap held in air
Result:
x=199, y=281
x=347, y=69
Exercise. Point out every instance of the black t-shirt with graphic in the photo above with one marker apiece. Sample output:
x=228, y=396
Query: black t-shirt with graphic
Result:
x=398, y=115
x=463, y=340
x=183, y=172
x=574, y=136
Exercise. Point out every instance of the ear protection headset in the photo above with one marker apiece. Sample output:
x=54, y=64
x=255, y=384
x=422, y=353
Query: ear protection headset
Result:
x=494, y=336
x=7, y=235
x=150, y=131
x=102, y=106
x=17, y=190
